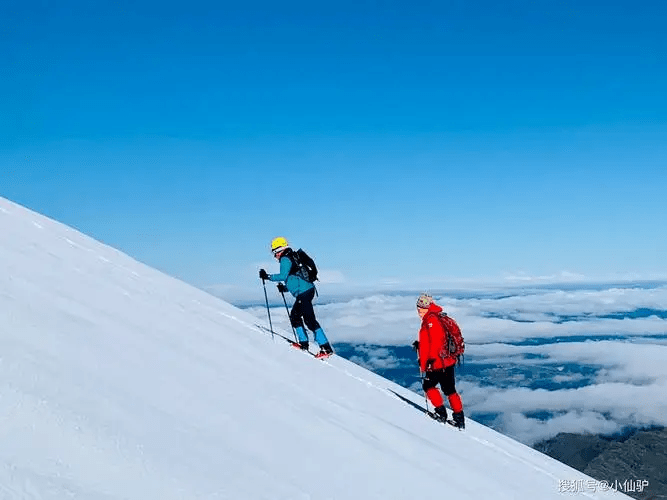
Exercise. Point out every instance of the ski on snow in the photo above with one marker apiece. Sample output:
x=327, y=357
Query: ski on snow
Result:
x=292, y=343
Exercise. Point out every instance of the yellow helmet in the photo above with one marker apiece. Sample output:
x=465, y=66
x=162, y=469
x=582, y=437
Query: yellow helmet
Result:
x=278, y=244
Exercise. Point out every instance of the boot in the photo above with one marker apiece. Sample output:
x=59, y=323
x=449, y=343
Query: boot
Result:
x=441, y=413
x=325, y=351
x=459, y=420
x=301, y=345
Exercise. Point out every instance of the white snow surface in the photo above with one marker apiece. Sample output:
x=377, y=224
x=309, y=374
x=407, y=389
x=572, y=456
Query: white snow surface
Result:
x=119, y=382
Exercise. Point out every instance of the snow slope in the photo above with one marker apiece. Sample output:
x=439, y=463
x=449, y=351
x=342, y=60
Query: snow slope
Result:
x=118, y=382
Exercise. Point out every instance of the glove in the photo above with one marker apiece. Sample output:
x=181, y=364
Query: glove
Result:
x=263, y=275
x=429, y=364
x=415, y=345
x=282, y=288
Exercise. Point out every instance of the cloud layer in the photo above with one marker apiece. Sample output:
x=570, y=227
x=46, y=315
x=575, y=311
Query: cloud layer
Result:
x=539, y=361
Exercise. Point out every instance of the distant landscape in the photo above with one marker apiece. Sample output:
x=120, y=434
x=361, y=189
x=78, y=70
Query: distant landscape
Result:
x=639, y=456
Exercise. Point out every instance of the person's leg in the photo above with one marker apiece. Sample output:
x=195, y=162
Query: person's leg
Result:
x=297, y=323
x=432, y=393
x=448, y=385
x=308, y=313
x=449, y=388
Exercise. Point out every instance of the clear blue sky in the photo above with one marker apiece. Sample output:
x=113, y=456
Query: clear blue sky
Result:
x=393, y=140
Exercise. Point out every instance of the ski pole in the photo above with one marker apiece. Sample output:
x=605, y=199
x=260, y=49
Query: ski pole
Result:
x=266, y=298
x=287, y=309
x=421, y=375
x=415, y=345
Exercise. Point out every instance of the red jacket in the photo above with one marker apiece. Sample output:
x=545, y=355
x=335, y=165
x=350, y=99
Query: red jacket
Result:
x=432, y=341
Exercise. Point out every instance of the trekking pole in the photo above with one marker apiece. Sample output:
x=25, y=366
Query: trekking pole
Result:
x=287, y=309
x=415, y=346
x=422, y=375
x=266, y=298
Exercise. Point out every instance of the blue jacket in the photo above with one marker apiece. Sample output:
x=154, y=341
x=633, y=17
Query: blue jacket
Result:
x=295, y=285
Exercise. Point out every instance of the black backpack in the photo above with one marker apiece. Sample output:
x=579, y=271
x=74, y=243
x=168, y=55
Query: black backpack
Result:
x=303, y=265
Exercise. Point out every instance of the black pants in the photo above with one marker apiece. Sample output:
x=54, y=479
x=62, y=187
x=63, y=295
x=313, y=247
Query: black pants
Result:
x=302, y=311
x=443, y=377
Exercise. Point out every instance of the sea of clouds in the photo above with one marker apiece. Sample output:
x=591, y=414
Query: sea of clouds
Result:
x=539, y=360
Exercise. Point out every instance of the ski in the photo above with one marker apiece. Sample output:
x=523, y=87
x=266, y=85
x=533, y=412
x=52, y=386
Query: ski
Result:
x=292, y=343
x=319, y=355
x=299, y=348
x=277, y=334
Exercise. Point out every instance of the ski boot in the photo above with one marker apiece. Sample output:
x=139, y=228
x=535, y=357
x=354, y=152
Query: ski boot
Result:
x=441, y=413
x=325, y=351
x=301, y=345
x=459, y=420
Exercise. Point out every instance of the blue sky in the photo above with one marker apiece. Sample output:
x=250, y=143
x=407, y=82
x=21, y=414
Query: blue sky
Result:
x=395, y=141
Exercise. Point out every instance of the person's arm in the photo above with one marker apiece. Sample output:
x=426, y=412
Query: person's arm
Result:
x=285, y=267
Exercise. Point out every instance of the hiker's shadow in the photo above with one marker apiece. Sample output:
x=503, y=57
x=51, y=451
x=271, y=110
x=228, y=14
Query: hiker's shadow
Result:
x=416, y=406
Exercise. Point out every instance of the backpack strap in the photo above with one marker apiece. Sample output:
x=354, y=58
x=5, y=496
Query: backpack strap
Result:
x=289, y=253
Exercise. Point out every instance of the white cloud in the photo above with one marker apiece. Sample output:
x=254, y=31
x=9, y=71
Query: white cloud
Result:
x=376, y=358
x=562, y=277
x=626, y=388
x=331, y=276
x=378, y=319
x=532, y=430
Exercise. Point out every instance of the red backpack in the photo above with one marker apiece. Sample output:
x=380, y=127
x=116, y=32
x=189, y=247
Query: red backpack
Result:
x=455, y=345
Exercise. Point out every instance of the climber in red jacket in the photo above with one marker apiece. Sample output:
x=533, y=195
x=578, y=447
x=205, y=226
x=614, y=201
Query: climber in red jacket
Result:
x=437, y=361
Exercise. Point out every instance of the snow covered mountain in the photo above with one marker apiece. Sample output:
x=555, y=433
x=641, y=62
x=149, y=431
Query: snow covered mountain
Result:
x=119, y=382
